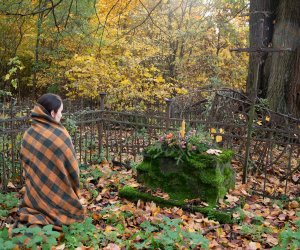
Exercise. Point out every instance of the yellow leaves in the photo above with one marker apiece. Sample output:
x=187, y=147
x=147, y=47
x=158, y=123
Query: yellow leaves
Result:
x=225, y=54
x=259, y=123
x=218, y=138
x=213, y=130
x=125, y=82
x=181, y=91
x=147, y=74
x=220, y=232
x=7, y=76
x=159, y=79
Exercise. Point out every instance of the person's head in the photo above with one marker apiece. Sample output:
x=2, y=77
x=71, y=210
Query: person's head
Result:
x=53, y=104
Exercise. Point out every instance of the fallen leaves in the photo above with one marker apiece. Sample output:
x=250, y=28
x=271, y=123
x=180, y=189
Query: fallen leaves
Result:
x=108, y=211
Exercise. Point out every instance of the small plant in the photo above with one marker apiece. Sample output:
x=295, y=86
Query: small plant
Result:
x=70, y=125
x=95, y=174
x=239, y=215
x=81, y=234
x=7, y=202
x=30, y=238
x=168, y=235
x=289, y=239
x=5, y=242
x=255, y=232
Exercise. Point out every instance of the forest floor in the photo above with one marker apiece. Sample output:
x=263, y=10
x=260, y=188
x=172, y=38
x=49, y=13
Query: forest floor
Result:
x=257, y=221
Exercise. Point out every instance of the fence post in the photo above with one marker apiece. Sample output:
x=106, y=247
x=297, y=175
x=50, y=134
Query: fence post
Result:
x=100, y=127
x=102, y=97
x=168, y=112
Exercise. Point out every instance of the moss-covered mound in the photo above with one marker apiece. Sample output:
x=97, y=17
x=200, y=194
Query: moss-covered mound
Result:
x=202, y=175
x=133, y=194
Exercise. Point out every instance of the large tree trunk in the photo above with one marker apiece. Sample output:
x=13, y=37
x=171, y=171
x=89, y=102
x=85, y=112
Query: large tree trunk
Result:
x=293, y=100
x=283, y=66
x=266, y=10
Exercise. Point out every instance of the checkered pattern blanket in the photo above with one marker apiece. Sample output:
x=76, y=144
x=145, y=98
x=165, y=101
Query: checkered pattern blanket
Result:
x=51, y=174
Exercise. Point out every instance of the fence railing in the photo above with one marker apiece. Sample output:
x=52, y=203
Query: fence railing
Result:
x=274, y=147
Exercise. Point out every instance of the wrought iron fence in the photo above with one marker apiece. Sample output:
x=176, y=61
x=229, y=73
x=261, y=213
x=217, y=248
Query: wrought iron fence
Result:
x=273, y=145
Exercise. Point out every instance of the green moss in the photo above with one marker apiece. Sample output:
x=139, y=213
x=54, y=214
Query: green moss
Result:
x=212, y=176
x=132, y=194
x=198, y=175
x=225, y=156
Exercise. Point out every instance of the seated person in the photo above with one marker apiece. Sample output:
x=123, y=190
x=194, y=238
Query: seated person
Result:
x=51, y=169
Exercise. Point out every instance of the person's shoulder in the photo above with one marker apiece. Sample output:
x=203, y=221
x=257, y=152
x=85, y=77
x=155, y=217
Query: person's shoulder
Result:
x=60, y=131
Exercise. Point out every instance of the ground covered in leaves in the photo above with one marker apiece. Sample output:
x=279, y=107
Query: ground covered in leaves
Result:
x=116, y=223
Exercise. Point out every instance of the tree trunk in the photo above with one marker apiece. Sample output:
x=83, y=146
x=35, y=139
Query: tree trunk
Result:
x=37, y=50
x=294, y=98
x=284, y=71
x=266, y=10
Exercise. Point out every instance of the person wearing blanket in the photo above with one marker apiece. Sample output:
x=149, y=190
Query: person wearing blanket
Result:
x=51, y=169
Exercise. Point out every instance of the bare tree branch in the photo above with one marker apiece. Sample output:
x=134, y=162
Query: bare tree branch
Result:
x=106, y=18
x=54, y=17
x=152, y=19
x=68, y=16
x=33, y=12
x=138, y=25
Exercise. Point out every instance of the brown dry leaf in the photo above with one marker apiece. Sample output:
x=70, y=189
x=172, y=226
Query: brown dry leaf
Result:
x=83, y=201
x=22, y=190
x=282, y=217
x=101, y=182
x=179, y=212
x=96, y=216
x=112, y=246
x=99, y=197
x=140, y=204
x=134, y=184
x=60, y=247
x=246, y=206
x=271, y=240
x=231, y=199
x=244, y=192
x=10, y=185
x=213, y=244
x=293, y=205
x=254, y=245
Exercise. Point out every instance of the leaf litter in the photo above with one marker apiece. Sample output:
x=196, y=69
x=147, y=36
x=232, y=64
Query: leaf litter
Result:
x=257, y=220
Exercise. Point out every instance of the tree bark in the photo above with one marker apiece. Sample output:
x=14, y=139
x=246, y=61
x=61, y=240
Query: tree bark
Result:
x=284, y=71
x=266, y=10
x=294, y=98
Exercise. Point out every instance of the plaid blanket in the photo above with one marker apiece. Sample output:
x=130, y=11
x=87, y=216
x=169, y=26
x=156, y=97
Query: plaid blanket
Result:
x=51, y=174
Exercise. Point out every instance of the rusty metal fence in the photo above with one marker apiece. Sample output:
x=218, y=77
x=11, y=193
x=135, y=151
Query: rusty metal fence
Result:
x=270, y=152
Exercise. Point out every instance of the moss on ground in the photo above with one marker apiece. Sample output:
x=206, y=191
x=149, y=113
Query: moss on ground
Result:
x=133, y=194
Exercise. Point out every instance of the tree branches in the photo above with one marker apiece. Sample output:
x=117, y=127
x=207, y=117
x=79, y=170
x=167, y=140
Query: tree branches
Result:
x=36, y=11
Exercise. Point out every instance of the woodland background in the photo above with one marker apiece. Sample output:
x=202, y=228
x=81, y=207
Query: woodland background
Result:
x=126, y=48
x=151, y=49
